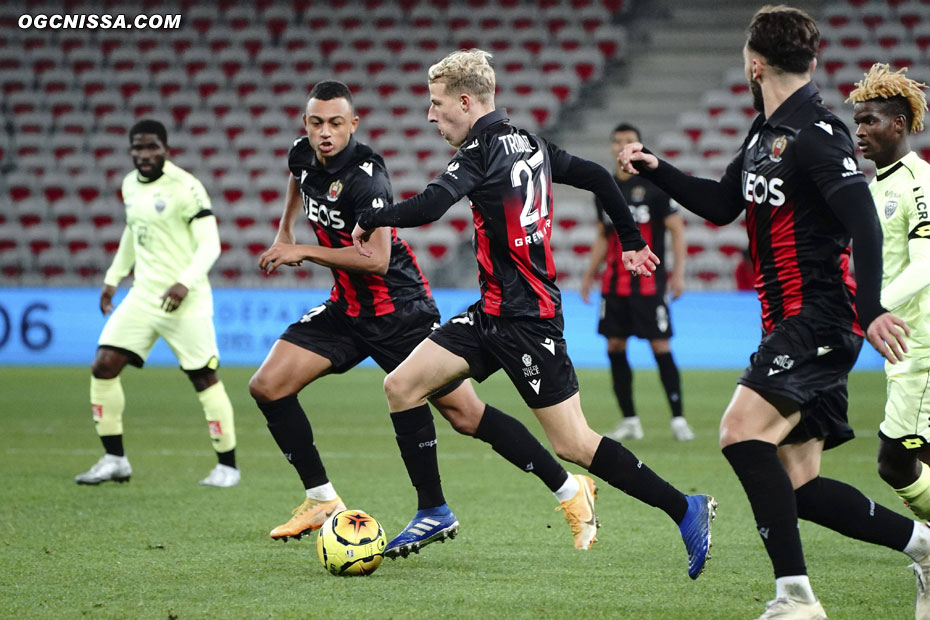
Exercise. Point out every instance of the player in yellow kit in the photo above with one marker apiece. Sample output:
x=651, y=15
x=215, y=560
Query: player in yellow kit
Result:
x=170, y=242
x=888, y=107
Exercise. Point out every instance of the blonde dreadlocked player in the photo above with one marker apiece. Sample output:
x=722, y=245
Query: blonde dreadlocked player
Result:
x=888, y=107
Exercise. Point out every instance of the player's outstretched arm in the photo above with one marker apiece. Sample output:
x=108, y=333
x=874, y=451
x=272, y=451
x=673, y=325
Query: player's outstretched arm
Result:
x=584, y=174
x=427, y=206
x=345, y=258
x=719, y=202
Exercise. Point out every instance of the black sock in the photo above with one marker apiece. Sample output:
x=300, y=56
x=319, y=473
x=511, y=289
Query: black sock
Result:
x=113, y=444
x=291, y=430
x=416, y=438
x=623, y=382
x=768, y=488
x=621, y=469
x=671, y=381
x=513, y=441
x=846, y=510
x=227, y=458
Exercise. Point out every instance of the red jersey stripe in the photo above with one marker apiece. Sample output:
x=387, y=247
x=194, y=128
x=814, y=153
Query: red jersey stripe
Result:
x=413, y=259
x=851, y=285
x=647, y=286
x=515, y=230
x=492, y=293
x=785, y=252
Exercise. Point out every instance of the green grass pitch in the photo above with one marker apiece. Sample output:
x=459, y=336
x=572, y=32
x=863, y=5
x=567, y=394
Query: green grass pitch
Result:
x=162, y=547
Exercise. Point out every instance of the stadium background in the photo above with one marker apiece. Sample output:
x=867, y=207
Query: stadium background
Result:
x=230, y=84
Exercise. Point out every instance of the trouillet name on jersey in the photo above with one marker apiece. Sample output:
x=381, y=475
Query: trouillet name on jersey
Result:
x=758, y=189
x=515, y=143
x=322, y=214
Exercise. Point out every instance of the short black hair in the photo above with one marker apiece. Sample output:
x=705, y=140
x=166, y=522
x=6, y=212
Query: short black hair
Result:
x=628, y=127
x=149, y=125
x=331, y=89
x=786, y=37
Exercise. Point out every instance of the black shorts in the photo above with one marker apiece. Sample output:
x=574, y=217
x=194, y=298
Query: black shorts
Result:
x=531, y=351
x=803, y=365
x=345, y=340
x=643, y=317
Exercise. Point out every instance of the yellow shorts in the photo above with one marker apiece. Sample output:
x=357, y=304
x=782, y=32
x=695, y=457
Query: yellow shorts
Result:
x=135, y=328
x=907, y=409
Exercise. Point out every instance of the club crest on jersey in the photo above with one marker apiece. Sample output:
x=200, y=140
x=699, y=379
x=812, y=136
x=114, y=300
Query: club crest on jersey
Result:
x=335, y=189
x=778, y=147
x=890, y=207
x=160, y=204
x=527, y=359
x=638, y=194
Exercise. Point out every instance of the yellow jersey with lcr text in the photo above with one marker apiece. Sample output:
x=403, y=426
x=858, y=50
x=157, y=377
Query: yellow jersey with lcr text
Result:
x=900, y=192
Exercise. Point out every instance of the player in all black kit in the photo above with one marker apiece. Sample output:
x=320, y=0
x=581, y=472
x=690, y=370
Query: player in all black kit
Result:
x=638, y=306
x=796, y=178
x=517, y=325
x=379, y=307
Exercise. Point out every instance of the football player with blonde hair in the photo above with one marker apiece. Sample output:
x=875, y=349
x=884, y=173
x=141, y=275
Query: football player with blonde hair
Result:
x=888, y=107
x=517, y=325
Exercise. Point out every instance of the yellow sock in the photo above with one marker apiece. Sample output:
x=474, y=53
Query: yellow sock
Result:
x=917, y=494
x=107, y=402
x=219, y=413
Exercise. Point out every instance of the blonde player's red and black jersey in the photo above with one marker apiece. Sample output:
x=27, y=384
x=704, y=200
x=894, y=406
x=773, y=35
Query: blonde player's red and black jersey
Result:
x=334, y=195
x=649, y=206
x=507, y=175
x=787, y=169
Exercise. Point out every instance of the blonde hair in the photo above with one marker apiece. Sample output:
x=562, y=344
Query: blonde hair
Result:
x=880, y=83
x=466, y=71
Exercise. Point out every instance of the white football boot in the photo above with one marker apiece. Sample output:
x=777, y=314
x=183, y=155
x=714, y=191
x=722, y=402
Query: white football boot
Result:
x=922, y=573
x=109, y=467
x=785, y=608
x=221, y=476
x=629, y=428
x=681, y=430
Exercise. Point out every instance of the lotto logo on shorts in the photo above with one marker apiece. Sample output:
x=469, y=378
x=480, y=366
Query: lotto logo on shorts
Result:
x=98, y=411
x=215, y=428
x=913, y=442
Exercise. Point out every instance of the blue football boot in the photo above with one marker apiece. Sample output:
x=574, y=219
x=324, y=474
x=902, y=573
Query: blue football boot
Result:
x=695, y=531
x=427, y=526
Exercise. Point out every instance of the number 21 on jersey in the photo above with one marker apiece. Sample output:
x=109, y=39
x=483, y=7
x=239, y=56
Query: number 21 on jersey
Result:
x=522, y=174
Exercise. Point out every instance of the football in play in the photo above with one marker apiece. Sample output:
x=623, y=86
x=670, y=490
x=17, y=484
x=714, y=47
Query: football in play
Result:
x=351, y=543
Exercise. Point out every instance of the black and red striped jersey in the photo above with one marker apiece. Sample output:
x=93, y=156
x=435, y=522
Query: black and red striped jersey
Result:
x=649, y=206
x=507, y=175
x=787, y=168
x=333, y=195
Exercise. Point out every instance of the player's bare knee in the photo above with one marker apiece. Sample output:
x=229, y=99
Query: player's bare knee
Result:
x=398, y=391
x=202, y=378
x=896, y=466
x=105, y=366
x=260, y=389
x=460, y=419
